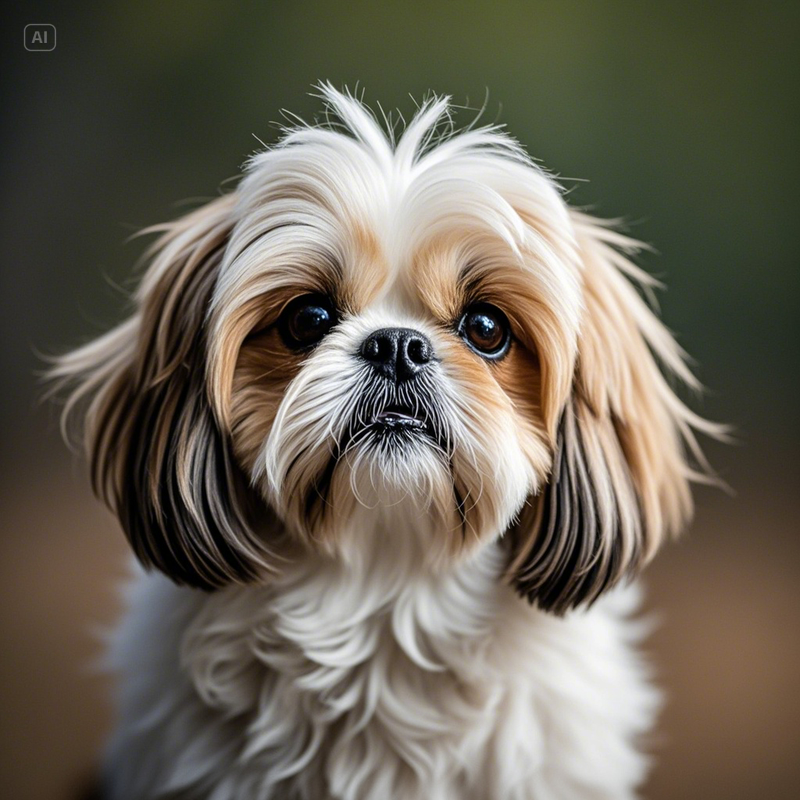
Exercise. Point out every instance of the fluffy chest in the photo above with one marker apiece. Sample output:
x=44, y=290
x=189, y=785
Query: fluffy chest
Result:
x=355, y=663
x=361, y=682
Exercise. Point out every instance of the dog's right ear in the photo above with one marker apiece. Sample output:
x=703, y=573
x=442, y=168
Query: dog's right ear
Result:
x=158, y=456
x=624, y=451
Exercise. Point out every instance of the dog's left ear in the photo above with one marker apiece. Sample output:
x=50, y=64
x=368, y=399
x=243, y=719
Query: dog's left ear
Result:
x=620, y=476
x=159, y=456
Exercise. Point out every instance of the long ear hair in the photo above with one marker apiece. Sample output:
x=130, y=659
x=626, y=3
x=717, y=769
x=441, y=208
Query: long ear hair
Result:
x=625, y=444
x=158, y=457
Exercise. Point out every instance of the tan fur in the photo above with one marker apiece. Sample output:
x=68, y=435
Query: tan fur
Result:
x=148, y=422
x=634, y=431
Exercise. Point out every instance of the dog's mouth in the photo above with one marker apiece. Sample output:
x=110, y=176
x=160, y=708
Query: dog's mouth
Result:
x=395, y=424
x=397, y=418
x=396, y=421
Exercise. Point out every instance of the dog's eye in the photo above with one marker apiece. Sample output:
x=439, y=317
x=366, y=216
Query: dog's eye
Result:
x=306, y=320
x=485, y=329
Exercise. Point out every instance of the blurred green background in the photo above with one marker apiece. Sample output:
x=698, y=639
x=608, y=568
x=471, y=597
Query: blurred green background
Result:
x=684, y=119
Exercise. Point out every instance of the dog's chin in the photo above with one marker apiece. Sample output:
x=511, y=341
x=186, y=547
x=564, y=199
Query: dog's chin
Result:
x=390, y=473
x=395, y=492
x=396, y=455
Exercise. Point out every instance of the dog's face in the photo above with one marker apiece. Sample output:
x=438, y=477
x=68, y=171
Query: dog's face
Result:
x=389, y=340
x=360, y=324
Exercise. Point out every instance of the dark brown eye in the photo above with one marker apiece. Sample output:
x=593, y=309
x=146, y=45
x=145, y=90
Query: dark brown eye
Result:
x=485, y=329
x=306, y=320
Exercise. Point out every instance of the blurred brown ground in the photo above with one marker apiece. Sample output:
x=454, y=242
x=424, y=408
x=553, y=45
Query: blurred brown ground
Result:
x=726, y=648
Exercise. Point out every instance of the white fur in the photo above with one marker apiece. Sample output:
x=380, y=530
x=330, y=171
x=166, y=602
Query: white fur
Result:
x=362, y=679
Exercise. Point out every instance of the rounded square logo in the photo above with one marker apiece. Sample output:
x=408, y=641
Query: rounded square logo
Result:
x=40, y=37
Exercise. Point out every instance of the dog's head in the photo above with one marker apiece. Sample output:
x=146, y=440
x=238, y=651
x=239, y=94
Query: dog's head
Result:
x=361, y=322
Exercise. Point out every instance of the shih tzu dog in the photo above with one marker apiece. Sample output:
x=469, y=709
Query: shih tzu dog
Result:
x=391, y=429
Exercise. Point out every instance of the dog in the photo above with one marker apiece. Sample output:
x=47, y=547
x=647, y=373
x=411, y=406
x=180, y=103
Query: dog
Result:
x=391, y=431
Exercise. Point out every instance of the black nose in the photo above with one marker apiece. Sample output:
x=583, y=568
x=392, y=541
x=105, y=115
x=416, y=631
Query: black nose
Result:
x=397, y=353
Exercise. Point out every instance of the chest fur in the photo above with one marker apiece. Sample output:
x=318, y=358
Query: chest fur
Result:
x=341, y=666
x=357, y=681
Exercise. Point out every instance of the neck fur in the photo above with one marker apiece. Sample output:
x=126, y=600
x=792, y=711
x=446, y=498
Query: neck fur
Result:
x=374, y=646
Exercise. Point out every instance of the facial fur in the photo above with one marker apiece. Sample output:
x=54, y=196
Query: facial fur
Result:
x=225, y=448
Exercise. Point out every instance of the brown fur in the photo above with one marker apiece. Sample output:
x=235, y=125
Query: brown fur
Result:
x=158, y=457
x=620, y=463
